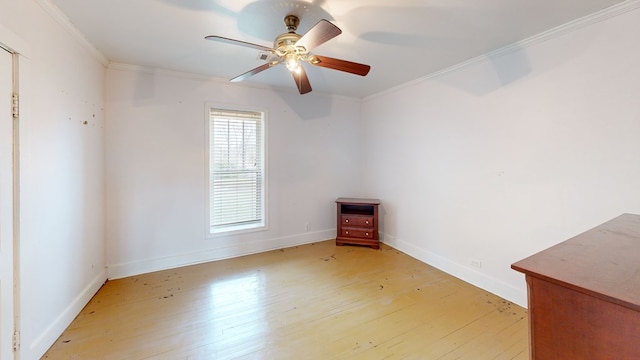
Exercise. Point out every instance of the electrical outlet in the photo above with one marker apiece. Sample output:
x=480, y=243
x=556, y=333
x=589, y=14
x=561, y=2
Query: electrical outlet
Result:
x=476, y=263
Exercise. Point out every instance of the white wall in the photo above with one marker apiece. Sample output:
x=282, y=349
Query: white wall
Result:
x=156, y=179
x=62, y=253
x=510, y=154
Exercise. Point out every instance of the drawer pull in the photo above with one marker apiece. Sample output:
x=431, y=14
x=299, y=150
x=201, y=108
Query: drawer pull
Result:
x=346, y=232
x=346, y=220
x=367, y=234
x=367, y=222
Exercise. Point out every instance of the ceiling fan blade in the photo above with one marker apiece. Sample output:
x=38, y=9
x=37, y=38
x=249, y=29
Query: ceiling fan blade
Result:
x=320, y=33
x=238, y=42
x=251, y=72
x=341, y=65
x=302, y=81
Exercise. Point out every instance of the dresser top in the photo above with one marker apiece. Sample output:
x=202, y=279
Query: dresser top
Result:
x=358, y=201
x=603, y=262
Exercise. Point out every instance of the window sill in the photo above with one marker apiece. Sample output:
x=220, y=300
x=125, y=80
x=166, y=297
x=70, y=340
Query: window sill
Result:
x=236, y=230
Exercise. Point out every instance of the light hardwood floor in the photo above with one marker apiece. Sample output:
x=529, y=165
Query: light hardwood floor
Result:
x=315, y=301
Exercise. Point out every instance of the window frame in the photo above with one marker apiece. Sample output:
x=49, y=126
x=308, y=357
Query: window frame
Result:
x=234, y=229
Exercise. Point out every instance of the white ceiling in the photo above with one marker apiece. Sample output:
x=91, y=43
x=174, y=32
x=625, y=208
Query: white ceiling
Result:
x=402, y=42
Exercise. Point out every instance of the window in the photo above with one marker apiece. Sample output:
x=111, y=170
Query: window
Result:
x=236, y=170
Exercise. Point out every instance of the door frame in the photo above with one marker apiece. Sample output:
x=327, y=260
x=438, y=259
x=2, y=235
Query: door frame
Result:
x=7, y=210
x=17, y=48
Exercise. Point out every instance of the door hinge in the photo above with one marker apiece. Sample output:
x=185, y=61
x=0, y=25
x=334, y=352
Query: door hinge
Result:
x=15, y=105
x=16, y=341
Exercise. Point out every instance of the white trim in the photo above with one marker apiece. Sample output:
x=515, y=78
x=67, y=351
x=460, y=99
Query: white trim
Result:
x=238, y=229
x=63, y=20
x=594, y=18
x=465, y=273
x=243, y=248
x=159, y=71
x=599, y=16
x=13, y=43
x=202, y=77
x=44, y=341
x=18, y=49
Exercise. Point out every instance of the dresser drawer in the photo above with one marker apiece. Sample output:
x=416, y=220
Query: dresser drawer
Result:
x=357, y=233
x=357, y=220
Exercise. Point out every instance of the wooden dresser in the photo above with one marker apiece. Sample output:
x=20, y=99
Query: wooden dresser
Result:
x=584, y=294
x=358, y=222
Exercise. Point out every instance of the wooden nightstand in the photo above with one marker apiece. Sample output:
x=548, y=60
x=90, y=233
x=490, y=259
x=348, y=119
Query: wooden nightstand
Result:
x=358, y=222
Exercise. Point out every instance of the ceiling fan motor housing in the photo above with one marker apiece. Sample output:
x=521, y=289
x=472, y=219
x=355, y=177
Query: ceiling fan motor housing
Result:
x=285, y=44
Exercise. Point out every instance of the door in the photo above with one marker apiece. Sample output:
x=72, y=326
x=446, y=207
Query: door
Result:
x=6, y=207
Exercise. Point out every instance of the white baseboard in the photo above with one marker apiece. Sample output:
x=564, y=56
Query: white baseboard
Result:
x=117, y=271
x=44, y=341
x=475, y=278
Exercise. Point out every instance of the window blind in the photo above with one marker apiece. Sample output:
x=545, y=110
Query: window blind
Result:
x=236, y=169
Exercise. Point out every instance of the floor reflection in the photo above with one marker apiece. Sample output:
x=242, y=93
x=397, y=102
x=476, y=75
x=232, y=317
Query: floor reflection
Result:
x=243, y=327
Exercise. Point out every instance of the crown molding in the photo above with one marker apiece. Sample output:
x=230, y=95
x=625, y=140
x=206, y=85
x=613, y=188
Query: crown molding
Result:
x=594, y=18
x=599, y=16
x=160, y=71
x=13, y=43
x=143, y=69
x=63, y=20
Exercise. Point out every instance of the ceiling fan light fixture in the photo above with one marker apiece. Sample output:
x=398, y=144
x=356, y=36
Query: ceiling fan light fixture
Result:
x=292, y=62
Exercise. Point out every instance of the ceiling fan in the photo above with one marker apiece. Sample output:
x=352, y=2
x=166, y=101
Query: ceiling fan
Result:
x=292, y=49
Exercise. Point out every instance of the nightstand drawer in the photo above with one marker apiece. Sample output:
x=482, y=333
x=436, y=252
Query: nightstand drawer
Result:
x=357, y=233
x=357, y=220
